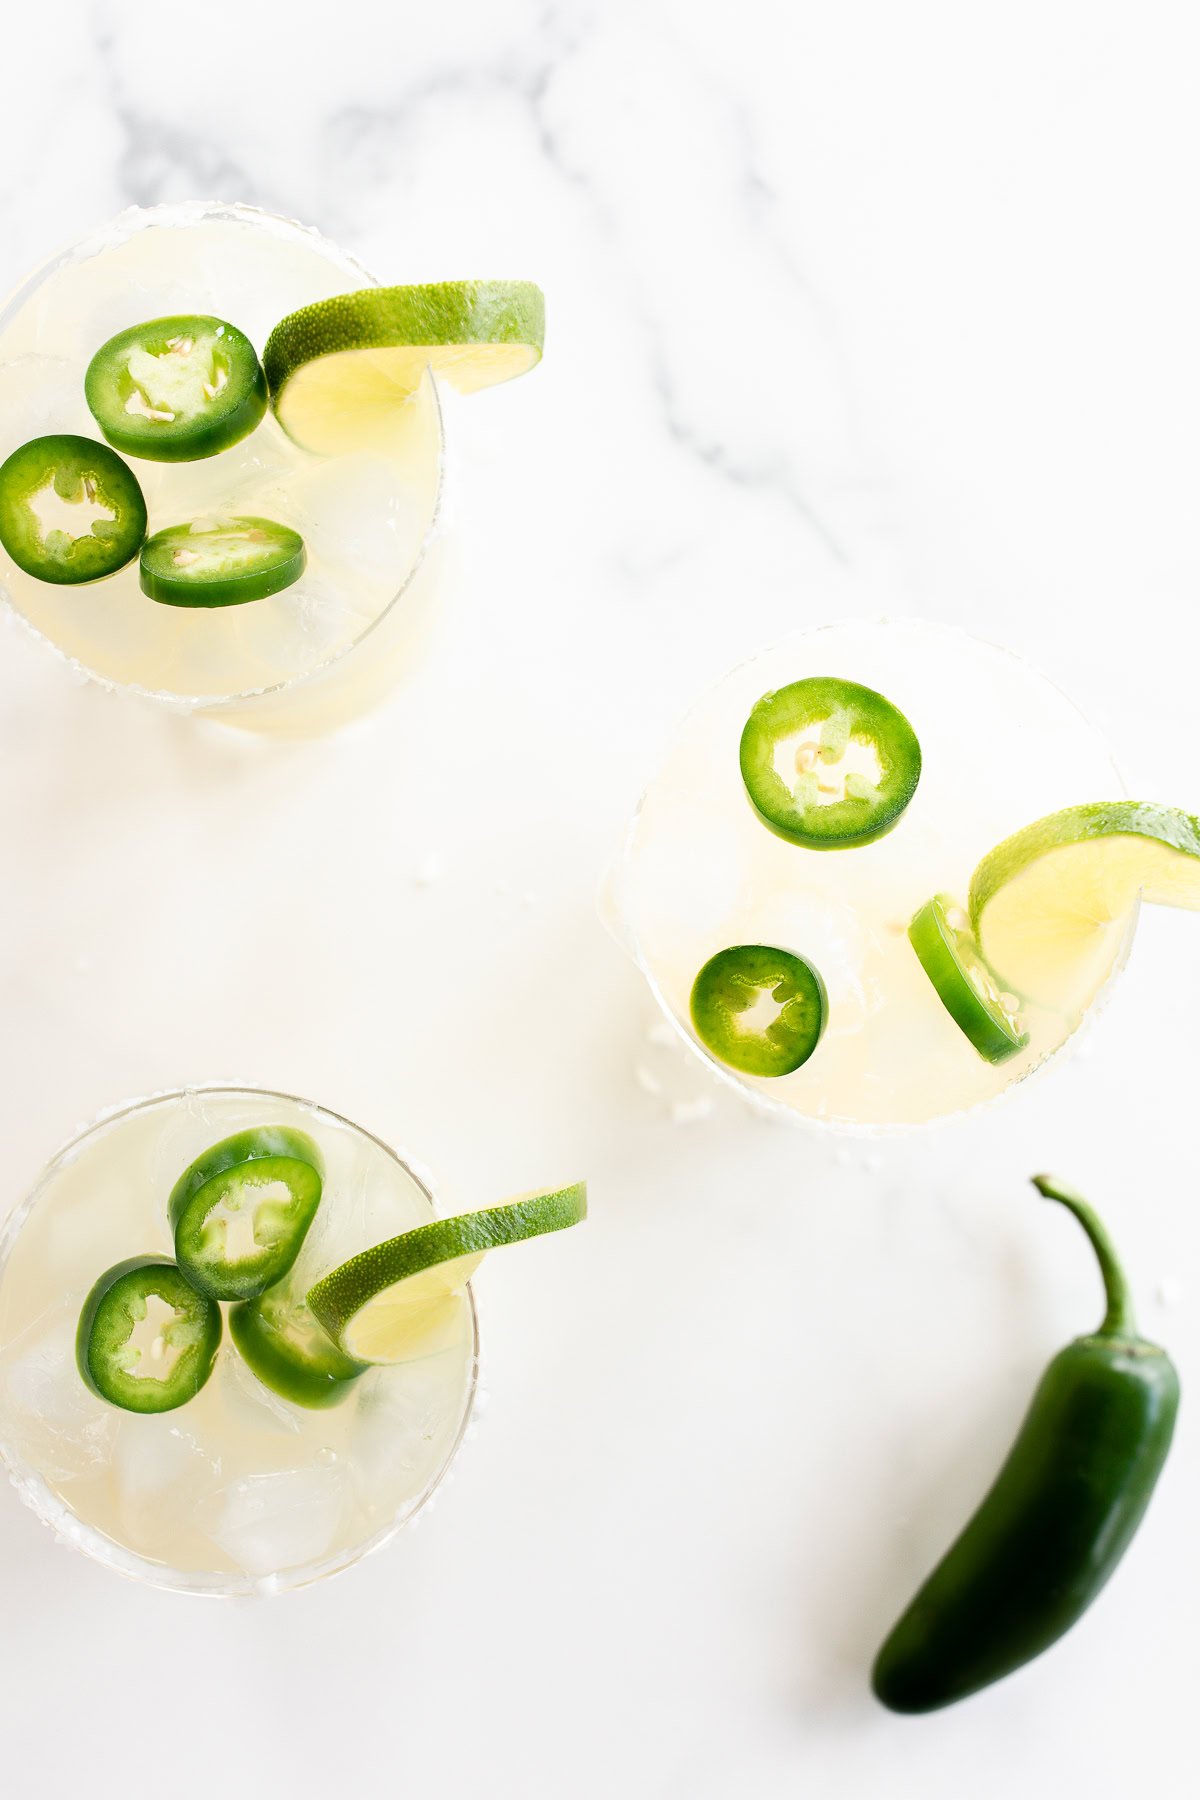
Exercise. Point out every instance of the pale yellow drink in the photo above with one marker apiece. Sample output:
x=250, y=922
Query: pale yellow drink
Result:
x=322, y=649
x=1001, y=746
x=239, y=1490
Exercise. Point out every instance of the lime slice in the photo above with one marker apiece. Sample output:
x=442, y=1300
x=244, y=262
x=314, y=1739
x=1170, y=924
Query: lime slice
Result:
x=338, y=370
x=397, y=1300
x=964, y=984
x=1052, y=905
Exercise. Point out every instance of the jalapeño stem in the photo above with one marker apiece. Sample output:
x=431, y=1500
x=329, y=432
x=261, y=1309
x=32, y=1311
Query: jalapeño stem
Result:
x=1119, y=1320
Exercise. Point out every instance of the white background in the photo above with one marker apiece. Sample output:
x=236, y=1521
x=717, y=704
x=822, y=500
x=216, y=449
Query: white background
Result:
x=912, y=290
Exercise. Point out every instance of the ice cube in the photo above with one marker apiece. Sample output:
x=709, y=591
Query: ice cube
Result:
x=353, y=513
x=40, y=395
x=404, y=1429
x=52, y=1420
x=181, y=1131
x=250, y=1406
x=360, y=1207
x=294, y=631
x=159, y=1465
x=268, y=1523
x=338, y=1230
x=134, y=285
x=252, y=476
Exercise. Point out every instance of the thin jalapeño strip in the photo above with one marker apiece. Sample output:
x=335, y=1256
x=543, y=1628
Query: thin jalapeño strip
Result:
x=176, y=389
x=759, y=1009
x=828, y=764
x=945, y=946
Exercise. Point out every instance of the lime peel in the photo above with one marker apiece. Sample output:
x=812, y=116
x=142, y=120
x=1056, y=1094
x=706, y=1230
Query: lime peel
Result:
x=339, y=369
x=375, y=1306
x=1051, y=904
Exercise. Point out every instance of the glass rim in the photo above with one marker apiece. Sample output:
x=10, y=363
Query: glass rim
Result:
x=52, y=1510
x=171, y=213
x=614, y=909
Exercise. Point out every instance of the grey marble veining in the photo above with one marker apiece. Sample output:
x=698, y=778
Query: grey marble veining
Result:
x=849, y=307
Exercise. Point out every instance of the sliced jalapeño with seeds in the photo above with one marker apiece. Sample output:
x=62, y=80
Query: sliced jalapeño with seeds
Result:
x=221, y=562
x=70, y=509
x=176, y=389
x=241, y=1210
x=940, y=934
x=289, y=1352
x=829, y=764
x=759, y=1009
x=147, y=1338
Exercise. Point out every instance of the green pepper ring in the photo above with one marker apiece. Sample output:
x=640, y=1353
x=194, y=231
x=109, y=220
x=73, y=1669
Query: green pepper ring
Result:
x=730, y=982
x=318, y=1376
x=71, y=462
x=869, y=718
x=286, y=1155
x=225, y=418
x=100, y=1336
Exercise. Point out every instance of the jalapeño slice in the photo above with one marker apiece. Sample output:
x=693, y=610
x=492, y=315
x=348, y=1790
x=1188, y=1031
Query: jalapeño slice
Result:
x=147, y=1339
x=240, y=1212
x=70, y=509
x=945, y=946
x=177, y=389
x=759, y=1009
x=829, y=764
x=221, y=562
x=290, y=1353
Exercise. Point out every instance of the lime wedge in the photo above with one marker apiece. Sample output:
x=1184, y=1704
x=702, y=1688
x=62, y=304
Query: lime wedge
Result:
x=1052, y=905
x=397, y=1300
x=963, y=983
x=339, y=369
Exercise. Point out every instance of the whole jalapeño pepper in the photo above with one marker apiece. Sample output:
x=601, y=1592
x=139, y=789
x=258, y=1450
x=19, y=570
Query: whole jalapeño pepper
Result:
x=1059, y=1517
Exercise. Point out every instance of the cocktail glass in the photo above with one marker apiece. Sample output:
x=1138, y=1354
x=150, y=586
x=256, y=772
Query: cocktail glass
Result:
x=336, y=642
x=239, y=1491
x=699, y=871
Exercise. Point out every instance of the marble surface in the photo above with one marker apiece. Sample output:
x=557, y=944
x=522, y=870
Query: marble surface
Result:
x=848, y=305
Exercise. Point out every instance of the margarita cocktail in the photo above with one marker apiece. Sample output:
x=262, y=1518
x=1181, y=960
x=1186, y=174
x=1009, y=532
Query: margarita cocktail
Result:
x=824, y=889
x=242, y=537
x=237, y=1349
